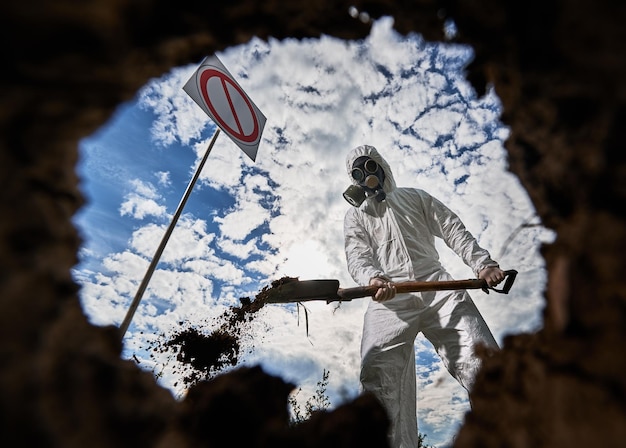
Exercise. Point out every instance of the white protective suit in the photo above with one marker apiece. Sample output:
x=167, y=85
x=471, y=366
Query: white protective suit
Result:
x=395, y=240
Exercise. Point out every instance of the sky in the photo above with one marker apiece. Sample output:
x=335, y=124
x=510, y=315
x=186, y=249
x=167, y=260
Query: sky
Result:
x=248, y=223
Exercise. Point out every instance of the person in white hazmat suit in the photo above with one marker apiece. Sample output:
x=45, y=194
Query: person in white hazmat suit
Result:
x=390, y=237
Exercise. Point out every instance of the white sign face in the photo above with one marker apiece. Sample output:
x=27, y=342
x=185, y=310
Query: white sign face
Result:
x=217, y=93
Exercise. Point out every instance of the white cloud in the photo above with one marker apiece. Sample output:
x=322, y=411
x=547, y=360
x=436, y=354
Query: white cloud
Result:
x=239, y=250
x=164, y=98
x=219, y=269
x=238, y=223
x=163, y=178
x=224, y=165
x=142, y=202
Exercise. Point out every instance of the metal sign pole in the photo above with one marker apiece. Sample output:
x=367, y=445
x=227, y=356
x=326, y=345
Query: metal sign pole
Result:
x=168, y=233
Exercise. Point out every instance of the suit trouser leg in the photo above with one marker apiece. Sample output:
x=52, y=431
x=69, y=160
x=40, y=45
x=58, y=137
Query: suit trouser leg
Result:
x=388, y=364
x=455, y=333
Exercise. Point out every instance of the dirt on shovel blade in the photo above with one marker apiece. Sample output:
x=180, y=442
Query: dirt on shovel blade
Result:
x=201, y=354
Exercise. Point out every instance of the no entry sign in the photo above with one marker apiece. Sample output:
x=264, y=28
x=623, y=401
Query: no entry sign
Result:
x=215, y=90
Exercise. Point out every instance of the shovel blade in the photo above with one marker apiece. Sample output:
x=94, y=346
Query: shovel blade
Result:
x=301, y=291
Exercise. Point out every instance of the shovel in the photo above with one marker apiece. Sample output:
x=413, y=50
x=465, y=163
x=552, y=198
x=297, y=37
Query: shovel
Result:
x=301, y=291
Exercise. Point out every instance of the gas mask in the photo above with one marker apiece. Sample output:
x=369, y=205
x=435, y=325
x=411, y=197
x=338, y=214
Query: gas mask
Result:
x=370, y=178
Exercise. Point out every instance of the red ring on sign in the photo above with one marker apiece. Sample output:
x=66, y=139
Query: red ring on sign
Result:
x=204, y=78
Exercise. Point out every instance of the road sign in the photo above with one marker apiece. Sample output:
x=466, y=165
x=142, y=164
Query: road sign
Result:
x=217, y=93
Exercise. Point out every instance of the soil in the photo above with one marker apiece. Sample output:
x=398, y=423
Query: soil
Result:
x=203, y=355
x=558, y=68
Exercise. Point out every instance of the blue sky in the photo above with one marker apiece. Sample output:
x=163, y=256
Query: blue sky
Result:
x=248, y=223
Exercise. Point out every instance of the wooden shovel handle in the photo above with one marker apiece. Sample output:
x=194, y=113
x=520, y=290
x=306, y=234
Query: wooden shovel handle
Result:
x=449, y=285
x=364, y=291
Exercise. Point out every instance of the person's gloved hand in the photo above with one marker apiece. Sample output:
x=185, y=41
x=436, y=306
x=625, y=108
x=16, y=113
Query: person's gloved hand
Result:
x=492, y=275
x=386, y=289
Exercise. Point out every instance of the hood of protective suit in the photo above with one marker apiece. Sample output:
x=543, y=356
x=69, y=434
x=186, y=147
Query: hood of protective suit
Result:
x=389, y=183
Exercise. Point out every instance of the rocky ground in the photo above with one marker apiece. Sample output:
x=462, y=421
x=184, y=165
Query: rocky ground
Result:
x=559, y=69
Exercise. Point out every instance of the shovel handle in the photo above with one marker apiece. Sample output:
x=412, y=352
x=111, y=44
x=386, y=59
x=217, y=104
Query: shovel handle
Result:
x=403, y=287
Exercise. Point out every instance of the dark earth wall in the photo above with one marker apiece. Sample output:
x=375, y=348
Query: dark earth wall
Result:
x=559, y=68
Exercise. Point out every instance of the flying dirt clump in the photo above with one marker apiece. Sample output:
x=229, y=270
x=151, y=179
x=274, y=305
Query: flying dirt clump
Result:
x=200, y=355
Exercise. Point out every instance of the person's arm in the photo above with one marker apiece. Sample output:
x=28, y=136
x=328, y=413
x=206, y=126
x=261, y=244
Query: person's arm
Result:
x=449, y=227
x=362, y=265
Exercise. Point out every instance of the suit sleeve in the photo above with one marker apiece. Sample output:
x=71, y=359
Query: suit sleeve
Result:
x=448, y=226
x=360, y=258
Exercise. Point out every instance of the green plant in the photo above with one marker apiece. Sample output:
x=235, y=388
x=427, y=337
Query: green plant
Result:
x=317, y=402
x=420, y=441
